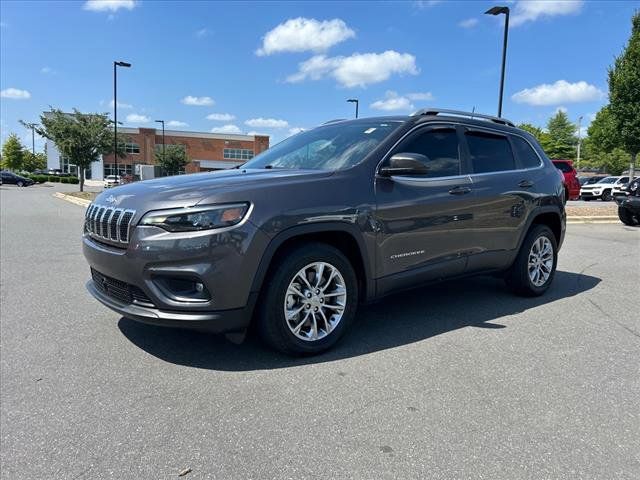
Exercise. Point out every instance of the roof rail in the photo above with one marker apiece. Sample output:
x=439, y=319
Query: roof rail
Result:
x=459, y=113
x=336, y=120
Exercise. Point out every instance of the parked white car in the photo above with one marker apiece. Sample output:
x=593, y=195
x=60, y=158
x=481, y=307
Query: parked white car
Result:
x=603, y=189
x=111, y=181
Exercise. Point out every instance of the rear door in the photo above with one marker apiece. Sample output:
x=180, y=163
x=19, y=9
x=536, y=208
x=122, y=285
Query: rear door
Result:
x=503, y=192
x=422, y=219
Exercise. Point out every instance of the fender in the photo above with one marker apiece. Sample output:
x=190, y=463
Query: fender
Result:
x=352, y=230
x=538, y=211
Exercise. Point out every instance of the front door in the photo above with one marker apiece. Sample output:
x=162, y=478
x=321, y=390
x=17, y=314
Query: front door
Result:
x=422, y=219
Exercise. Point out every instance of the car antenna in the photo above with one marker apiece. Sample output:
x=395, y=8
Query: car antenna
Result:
x=473, y=110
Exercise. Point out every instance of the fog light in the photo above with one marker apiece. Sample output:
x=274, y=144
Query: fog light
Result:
x=183, y=289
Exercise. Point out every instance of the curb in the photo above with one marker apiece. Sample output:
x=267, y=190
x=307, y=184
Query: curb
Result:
x=70, y=198
x=594, y=219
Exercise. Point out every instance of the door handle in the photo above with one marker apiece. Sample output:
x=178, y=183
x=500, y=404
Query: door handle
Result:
x=525, y=184
x=459, y=190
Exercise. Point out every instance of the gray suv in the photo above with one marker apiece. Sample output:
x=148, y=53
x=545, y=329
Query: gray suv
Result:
x=330, y=218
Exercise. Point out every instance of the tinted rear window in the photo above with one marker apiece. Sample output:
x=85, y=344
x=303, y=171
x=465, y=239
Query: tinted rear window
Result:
x=564, y=167
x=489, y=152
x=526, y=154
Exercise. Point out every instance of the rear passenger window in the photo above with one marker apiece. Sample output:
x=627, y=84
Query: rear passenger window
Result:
x=441, y=147
x=526, y=154
x=489, y=153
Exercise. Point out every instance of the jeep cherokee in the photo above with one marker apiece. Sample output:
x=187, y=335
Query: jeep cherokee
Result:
x=332, y=217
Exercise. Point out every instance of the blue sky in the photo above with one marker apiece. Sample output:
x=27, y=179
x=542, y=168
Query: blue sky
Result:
x=272, y=67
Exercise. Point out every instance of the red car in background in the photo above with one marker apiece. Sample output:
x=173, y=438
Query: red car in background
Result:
x=571, y=183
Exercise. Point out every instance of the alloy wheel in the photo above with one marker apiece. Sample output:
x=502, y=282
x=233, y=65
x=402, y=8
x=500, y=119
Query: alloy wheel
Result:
x=540, y=264
x=315, y=301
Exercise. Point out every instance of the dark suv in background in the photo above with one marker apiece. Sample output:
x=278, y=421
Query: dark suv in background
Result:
x=339, y=215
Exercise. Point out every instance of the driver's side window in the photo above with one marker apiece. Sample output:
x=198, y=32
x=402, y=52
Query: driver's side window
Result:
x=440, y=146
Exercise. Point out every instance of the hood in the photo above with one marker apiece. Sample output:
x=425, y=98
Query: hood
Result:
x=188, y=190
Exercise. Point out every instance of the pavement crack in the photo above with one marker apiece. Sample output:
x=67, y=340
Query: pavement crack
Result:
x=613, y=319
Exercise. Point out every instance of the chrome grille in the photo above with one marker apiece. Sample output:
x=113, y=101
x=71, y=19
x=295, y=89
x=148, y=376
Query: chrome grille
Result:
x=108, y=223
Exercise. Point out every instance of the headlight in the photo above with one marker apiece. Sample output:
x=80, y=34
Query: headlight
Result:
x=197, y=218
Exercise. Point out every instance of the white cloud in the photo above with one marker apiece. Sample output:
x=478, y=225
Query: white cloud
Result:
x=359, y=69
x=391, y=102
x=121, y=105
x=305, y=34
x=203, y=32
x=136, y=118
x=198, y=101
x=266, y=123
x=229, y=128
x=221, y=117
x=15, y=94
x=176, y=123
x=108, y=5
x=254, y=133
x=423, y=96
x=558, y=93
x=562, y=109
x=46, y=70
x=295, y=130
x=468, y=23
x=531, y=10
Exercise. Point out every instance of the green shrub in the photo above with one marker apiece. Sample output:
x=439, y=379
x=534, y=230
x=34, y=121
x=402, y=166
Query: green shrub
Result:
x=64, y=179
x=38, y=178
x=74, y=180
x=54, y=179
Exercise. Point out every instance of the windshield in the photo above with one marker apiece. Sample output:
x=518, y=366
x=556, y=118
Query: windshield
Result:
x=329, y=147
x=608, y=180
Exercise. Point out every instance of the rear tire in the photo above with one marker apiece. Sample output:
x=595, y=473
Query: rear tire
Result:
x=294, y=316
x=627, y=217
x=535, y=266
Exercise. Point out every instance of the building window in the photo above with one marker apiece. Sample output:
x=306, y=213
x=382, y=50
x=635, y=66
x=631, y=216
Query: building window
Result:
x=123, y=169
x=237, y=154
x=132, y=148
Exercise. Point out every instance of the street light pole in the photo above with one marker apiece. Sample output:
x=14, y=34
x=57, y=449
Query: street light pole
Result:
x=499, y=11
x=162, y=122
x=579, y=141
x=32, y=126
x=354, y=100
x=115, y=110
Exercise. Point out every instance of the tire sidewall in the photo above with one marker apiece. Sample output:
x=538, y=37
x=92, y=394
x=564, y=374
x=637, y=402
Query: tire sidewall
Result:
x=273, y=315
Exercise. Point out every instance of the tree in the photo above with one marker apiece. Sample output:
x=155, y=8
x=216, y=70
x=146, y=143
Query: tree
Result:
x=603, y=133
x=174, y=159
x=80, y=137
x=562, y=139
x=34, y=162
x=12, y=153
x=538, y=133
x=624, y=94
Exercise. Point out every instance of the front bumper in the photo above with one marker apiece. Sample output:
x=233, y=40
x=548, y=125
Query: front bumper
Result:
x=224, y=321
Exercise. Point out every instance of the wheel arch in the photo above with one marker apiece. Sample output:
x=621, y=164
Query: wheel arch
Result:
x=549, y=216
x=345, y=237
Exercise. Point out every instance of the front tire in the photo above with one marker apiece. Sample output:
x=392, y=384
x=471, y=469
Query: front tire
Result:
x=310, y=299
x=20, y=184
x=627, y=217
x=535, y=266
x=606, y=196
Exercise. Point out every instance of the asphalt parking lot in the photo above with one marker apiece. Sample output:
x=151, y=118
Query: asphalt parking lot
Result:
x=461, y=380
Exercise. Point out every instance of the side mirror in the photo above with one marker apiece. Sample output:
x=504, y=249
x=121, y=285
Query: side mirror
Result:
x=405, y=164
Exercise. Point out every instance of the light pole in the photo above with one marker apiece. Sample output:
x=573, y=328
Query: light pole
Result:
x=162, y=122
x=499, y=11
x=354, y=100
x=32, y=126
x=115, y=109
x=579, y=141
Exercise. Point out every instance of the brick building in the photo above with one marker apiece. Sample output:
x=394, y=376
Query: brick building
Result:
x=206, y=151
